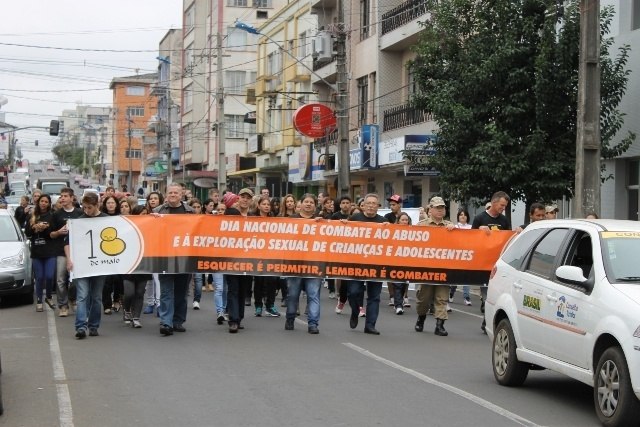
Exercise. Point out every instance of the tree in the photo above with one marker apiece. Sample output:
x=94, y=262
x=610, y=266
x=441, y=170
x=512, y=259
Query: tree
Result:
x=500, y=78
x=69, y=155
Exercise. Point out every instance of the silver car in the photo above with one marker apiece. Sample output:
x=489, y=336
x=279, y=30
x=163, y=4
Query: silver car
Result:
x=16, y=279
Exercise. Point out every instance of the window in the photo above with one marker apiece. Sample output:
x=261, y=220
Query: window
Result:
x=135, y=90
x=262, y=14
x=234, y=81
x=187, y=133
x=544, y=255
x=188, y=57
x=188, y=98
x=302, y=45
x=135, y=111
x=363, y=99
x=137, y=133
x=374, y=115
x=262, y=4
x=236, y=38
x=233, y=126
x=190, y=18
x=635, y=15
x=237, y=3
x=133, y=154
x=365, y=12
x=274, y=63
x=516, y=253
x=412, y=85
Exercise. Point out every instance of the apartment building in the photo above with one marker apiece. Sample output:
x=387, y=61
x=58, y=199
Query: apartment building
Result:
x=133, y=107
x=219, y=63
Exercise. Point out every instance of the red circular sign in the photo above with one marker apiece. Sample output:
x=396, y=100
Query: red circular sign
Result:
x=314, y=120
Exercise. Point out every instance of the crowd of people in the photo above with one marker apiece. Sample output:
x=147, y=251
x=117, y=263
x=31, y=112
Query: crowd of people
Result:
x=166, y=294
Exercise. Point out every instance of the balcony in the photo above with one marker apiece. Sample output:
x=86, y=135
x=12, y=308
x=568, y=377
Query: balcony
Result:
x=296, y=72
x=325, y=69
x=403, y=116
x=400, y=26
x=324, y=5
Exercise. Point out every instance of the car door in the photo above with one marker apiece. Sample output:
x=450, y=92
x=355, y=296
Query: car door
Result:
x=570, y=311
x=535, y=283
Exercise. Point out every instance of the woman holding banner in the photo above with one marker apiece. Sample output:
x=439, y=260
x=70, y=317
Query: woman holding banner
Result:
x=311, y=285
x=264, y=286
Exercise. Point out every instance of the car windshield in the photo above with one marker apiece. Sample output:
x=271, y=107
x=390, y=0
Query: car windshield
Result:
x=620, y=253
x=8, y=230
x=53, y=188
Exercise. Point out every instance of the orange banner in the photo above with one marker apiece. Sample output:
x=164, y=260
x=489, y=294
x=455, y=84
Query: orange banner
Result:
x=286, y=247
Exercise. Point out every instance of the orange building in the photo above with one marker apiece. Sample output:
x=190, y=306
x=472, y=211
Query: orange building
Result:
x=133, y=145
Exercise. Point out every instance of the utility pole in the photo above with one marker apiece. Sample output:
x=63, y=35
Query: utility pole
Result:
x=129, y=178
x=342, y=117
x=587, y=190
x=220, y=128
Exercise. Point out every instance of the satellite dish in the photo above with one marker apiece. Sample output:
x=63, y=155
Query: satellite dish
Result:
x=3, y=100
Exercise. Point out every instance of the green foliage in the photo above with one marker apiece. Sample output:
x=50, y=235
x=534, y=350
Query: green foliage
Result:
x=69, y=155
x=501, y=79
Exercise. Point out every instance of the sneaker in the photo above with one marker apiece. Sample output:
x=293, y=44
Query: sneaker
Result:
x=220, y=319
x=406, y=302
x=136, y=323
x=258, y=312
x=107, y=311
x=148, y=309
x=247, y=301
x=339, y=307
x=273, y=312
x=399, y=310
x=332, y=295
x=289, y=325
x=362, y=313
x=166, y=330
x=50, y=303
x=93, y=332
x=39, y=308
x=126, y=316
x=449, y=308
x=467, y=301
x=177, y=327
x=81, y=333
x=64, y=312
x=196, y=305
x=391, y=302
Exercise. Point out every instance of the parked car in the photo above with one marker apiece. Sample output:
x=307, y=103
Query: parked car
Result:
x=84, y=183
x=565, y=296
x=16, y=279
x=65, y=169
x=77, y=179
x=37, y=168
x=51, y=168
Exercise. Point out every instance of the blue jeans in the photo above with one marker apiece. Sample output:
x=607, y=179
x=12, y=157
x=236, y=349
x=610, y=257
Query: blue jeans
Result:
x=465, y=291
x=197, y=286
x=173, y=298
x=312, y=287
x=355, y=292
x=89, y=301
x=43, y=270
x=220, y=294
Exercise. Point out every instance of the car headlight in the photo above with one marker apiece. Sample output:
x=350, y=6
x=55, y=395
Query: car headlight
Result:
x=13, y=261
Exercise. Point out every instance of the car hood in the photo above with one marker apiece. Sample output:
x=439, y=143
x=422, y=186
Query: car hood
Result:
x=10, y=249
x=631, y=290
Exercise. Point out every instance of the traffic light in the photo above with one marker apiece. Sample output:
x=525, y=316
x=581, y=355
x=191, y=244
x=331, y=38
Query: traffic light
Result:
x=54, y=128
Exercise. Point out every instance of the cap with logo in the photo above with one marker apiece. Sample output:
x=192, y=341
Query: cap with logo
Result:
x=436, y=201
x=395, y=198
x=245, y=191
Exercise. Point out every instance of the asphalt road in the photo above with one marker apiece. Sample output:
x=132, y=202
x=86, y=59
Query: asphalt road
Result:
x=266, y=376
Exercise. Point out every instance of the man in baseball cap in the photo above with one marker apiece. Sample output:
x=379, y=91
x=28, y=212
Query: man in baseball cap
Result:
x=245, y=191
x=551, y=212
x=395, y=204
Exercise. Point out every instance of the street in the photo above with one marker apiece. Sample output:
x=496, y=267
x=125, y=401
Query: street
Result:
x=267, y=376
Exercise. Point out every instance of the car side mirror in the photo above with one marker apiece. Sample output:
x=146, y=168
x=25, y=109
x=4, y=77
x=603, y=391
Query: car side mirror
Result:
x=573, y=275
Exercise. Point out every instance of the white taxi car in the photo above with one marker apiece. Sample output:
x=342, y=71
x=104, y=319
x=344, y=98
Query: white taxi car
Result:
x=565, y=296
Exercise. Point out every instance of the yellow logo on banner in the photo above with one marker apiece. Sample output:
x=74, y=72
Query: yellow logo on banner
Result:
x=111, y=245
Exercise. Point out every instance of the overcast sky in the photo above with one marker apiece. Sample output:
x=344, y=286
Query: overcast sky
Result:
x=77, y=48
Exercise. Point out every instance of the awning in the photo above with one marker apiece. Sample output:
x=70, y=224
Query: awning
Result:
x=244, y=172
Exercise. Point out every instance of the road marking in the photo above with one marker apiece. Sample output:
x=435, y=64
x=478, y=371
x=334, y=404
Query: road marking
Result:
x=465, y=395
x=65, y=413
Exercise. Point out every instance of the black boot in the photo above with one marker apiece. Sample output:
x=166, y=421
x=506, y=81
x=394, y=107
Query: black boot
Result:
x=440, y=328
x=420, y=323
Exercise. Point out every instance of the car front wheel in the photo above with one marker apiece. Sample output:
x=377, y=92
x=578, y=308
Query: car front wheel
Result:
x=615, y=402
x=507, y=369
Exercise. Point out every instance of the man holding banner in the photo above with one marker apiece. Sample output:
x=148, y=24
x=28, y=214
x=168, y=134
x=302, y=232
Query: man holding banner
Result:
x=439, y=294
x=173, y=287
x=355, y=288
